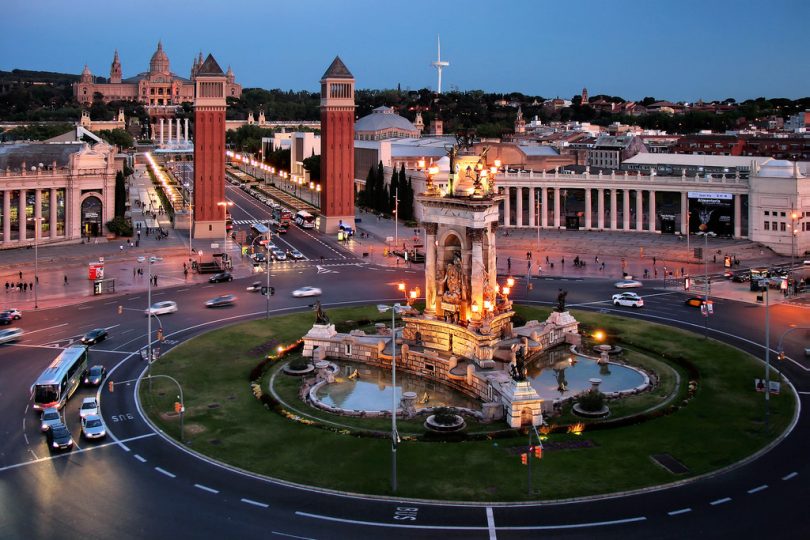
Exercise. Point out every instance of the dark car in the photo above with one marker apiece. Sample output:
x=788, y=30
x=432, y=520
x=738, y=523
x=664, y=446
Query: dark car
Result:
x=219, y=278
x=59, y=437
x=221, y=301
x=741, y=277
x=694, y=301
x=6, y=318
x=95, y=375
x=94, y=336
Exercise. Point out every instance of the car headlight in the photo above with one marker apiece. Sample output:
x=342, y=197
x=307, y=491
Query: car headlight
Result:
x=86, y=381
x=43, y=426
x=55, y=444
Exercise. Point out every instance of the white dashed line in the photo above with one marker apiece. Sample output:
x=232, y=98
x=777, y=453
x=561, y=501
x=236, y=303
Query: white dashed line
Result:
x=757, y=489
x=291, y=535
x=167, y=473
x=255, y=503
x=790, y=476
x=679, y=512
x=205, y=488
x=491, y=524
x=139, y=458
x=720, y=501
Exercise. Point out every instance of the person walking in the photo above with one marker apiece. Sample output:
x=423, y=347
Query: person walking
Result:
x=509, y=265
x=66, y=279
x=20, y=274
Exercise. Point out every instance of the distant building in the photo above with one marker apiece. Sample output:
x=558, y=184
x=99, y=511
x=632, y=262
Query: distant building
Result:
x=610, y=151
x=384, y=123
x=691, y=165
x=158, y=87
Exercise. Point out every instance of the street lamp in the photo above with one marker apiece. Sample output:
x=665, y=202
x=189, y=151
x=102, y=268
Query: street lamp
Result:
x=705, y=232
x=267, y=267
x=318, y=191
x=225, y=205
x=395, y=308
x=37, y=224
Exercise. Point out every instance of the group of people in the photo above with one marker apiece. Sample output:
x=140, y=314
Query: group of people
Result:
x=21, y=286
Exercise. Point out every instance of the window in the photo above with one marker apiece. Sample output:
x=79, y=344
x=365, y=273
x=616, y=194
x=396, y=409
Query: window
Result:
x=767, y=226
x=773, y=225
x=348, y=347
x=782, y=226
x=767, y=213
x=781, y=214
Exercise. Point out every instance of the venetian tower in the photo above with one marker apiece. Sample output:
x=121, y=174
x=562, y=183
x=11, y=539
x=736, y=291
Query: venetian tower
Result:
x=337, y=147
x=209, y=150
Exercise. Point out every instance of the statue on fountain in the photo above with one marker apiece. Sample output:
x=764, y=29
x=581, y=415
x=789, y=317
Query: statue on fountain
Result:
x=518, y=369
x=561, y=301
x=320, y=316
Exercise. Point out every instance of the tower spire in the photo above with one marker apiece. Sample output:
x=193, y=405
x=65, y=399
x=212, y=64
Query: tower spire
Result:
x=439, y=64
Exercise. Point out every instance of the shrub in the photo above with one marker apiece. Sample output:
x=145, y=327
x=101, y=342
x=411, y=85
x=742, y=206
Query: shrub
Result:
x=592, y=401
x=299, y=364
x=445, y=416
x=120, y=226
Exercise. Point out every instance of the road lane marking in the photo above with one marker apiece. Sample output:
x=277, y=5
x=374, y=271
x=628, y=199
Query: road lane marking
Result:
x=491, y=524
x=679, y=512
x=474, y=528
x=790, y=476
x=291, y=535
x=206, y=488
x=255, y=503
x=720, y=501
x=139, y=458
x=43, y=329
x=87, y=307
x=164, y=471
x=68, y=454
x=757, y=489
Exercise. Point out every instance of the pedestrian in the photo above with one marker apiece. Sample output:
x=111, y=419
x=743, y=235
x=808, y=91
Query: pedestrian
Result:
x=682, y=272
x=653, y=261
x=185, y=272
x=36, y=278
x=547, y=261
x=509, y=265
x=6, y=286
x=596, y=259
x=31, y=286
x=66, y=280
x=137, y=243
x=563, y=261
x=20, y=274
x=121, y=247
x=134, y=271
x=602, y=267
x=25, y=287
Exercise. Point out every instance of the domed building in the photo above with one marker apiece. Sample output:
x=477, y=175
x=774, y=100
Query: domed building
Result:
x=159, y=89
x=384, y=123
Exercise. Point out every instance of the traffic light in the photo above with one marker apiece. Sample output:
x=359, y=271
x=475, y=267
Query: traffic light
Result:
x=160, y=334
x=120, y=310
x=177, y=407
x=524, y=458
x=538, y=451
x=111, y=386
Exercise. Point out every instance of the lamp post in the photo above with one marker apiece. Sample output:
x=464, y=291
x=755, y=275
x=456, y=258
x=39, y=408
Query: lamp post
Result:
x=395, y=308
x=318, y=192
x=764, y=283
x=706, y=233
x=225, y=205
x=267, y=268
x=37, y=224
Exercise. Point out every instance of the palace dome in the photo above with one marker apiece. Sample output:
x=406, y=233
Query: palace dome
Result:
x=159, y=62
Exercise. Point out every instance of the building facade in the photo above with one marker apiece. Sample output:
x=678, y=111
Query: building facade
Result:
x=55, y=192
x=158, y=87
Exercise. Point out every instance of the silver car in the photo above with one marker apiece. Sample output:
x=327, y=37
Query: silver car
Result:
x=89, y=407
x=49, y=418
x=93, y=427
x=10, y=334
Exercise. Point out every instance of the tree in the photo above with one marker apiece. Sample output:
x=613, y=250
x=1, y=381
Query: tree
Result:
x=120, y=195
x=367, y=195
x=118, y=137
x=313, y=165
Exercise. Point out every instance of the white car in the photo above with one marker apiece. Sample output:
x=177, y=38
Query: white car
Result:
x=628, y=299
x=279, y=255
x=628, y=284
x=14, y=313
x=295, y=254
x=306, y=291
x=161, y=308
x=49, y=418
x=11, y=334
x=89, y=407
x=93, y=427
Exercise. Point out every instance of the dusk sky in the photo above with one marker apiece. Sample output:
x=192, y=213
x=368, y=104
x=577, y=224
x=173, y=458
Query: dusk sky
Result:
x=677, y=50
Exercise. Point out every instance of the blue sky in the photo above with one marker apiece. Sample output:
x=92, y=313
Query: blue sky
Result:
x=673, y=49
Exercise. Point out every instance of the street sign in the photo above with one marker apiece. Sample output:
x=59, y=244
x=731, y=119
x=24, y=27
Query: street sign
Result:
x=214, y=245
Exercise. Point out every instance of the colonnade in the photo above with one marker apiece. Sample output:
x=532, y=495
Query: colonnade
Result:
x=52, y=220
x=178, y=138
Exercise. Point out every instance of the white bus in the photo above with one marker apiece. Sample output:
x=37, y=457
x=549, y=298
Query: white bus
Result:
x=59, y=380
x=305, y=220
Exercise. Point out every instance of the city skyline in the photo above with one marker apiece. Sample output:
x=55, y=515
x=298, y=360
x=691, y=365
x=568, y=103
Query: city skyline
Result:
x=681, y=51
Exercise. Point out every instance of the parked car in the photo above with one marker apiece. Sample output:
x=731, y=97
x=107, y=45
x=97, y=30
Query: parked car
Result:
x=94, y=336
x=628, y=299
x=221, y=277
x=59, y=437
x=49, y=418
x=306, y=291
x=221, y=301
x=94, y=376
x=694, y=301
x=10, y=334
x=93, y=427
x=89, y=407
x=161, y=308
x=628, y=284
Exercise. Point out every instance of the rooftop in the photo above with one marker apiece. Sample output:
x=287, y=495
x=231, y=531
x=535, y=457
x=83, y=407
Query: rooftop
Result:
x=695, y=160
x=12, y=156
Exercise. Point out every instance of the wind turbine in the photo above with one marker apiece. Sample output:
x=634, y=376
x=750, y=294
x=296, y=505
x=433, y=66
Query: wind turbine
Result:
x=439, y=64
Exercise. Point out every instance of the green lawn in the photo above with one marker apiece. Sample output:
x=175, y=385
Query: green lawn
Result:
x=721, y=424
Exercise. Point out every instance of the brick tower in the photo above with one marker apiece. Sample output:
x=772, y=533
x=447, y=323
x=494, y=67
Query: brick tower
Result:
x=337, y=147
x=209, y=150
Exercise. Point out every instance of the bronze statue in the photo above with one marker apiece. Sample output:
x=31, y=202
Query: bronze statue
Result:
x=519, y=369
x=561, y=301
x=454, y=278
x=320, y=316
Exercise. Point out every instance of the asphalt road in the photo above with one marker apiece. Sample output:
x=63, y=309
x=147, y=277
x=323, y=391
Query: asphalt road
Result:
x=138, y=484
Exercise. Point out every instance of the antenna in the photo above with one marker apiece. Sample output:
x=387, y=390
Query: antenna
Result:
x=438, y=64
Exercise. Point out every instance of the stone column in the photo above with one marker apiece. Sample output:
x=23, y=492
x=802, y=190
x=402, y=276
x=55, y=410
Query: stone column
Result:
x=614, y=213
x=21, y=215
x=177, y=122
x=477, y=268
x=543, y=208
x=652, y=211
x=556, y=208
x=38, y=214
x=52, y=208
x=588, y=216
x=169, y=140
x=185, y=130
x=600, y=209
x=639, y=210
x=430, y=267
x=626, y=209
x=738, y=216
x=7, y=215
x=519, y=215
x=532, y=207
x=492, y=263
x=507, y=206
x=161, y=132
x=684, y=213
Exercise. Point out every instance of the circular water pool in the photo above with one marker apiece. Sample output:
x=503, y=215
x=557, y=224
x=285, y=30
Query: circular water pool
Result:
x=371, y=390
